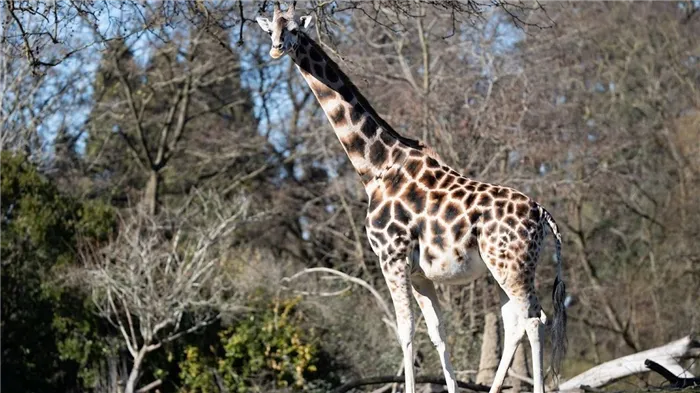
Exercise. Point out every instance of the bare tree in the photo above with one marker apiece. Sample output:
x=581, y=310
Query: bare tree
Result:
x=44, y=28
x=30, y=100
x=606, y=107
x=157, y=281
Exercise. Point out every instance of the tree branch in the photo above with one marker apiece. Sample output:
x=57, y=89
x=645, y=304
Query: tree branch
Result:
x=385, y=307
x=671, y=377
x=150, y=386
x=400, y=379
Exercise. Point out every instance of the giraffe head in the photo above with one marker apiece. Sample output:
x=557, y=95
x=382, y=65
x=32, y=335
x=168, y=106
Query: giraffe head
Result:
x=283, y=29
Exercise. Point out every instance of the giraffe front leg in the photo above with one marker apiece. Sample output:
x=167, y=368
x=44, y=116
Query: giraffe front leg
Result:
x=397, y=276
x=424, y=292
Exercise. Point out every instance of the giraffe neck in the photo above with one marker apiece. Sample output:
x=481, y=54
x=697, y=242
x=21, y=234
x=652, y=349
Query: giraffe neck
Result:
x=370, y=143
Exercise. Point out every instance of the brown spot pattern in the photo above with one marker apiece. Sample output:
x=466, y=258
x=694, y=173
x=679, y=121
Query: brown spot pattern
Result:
x=377, y=154
x=421, y=193
x=338, y=116
x=355, y=144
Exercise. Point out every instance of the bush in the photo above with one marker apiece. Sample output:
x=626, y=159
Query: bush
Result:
x=49, y=333
x=266, y=348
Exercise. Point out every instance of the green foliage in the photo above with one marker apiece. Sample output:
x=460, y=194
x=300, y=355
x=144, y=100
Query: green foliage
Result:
x=52, y=332
x=266, y=347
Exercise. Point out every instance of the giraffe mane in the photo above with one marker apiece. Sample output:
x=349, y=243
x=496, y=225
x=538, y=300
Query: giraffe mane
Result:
x=430, y=152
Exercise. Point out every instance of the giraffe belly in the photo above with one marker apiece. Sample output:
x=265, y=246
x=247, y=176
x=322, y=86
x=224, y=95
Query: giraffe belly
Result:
x=452, y=267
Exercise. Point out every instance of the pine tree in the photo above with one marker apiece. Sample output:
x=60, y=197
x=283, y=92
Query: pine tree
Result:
x=112, y=170
x=192, y=111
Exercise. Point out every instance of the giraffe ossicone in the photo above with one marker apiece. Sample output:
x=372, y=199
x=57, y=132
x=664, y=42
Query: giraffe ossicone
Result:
x=429, y=224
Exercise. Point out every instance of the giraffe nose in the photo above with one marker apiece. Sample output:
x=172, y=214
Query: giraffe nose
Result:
x=276, y=53
x=277, y=47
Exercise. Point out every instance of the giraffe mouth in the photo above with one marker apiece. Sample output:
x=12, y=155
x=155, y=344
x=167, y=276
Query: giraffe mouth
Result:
x=276, y=53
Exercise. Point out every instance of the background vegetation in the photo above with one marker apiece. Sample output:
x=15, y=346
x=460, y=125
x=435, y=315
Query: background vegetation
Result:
x=163, y=180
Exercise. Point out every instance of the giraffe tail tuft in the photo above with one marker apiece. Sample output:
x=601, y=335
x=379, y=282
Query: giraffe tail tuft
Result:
x=559, y=342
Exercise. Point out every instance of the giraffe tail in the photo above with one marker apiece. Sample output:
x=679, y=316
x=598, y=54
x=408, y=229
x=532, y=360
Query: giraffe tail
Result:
x=558, y=329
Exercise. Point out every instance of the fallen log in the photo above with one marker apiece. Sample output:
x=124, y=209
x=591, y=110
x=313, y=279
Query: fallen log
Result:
x=609, y=372
x=400, y=379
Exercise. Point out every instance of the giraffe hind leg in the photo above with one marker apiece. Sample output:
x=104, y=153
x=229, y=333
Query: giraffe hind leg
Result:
x=521, y=316
x=514, y=330
x=535, y=333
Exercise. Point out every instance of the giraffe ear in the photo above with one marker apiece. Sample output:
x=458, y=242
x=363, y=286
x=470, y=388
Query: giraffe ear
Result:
x=306, y=21
x=264, y=23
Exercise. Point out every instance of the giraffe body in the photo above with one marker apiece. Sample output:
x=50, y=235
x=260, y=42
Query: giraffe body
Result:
x=457, y=228
x=429, y=224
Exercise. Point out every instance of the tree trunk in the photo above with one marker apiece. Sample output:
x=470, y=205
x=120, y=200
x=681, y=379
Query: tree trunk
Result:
x=135, y=371
x=613, y=370
x=150, y=199
x=472, y=308
x=488, y=362
x=113, y=373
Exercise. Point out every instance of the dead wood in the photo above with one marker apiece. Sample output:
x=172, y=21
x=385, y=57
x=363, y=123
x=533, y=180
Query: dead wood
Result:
x=676, y=382
x=666, y=355
x=400, y=379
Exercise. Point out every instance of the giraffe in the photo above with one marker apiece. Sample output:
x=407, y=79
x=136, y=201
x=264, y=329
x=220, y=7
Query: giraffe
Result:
x=429, y=224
